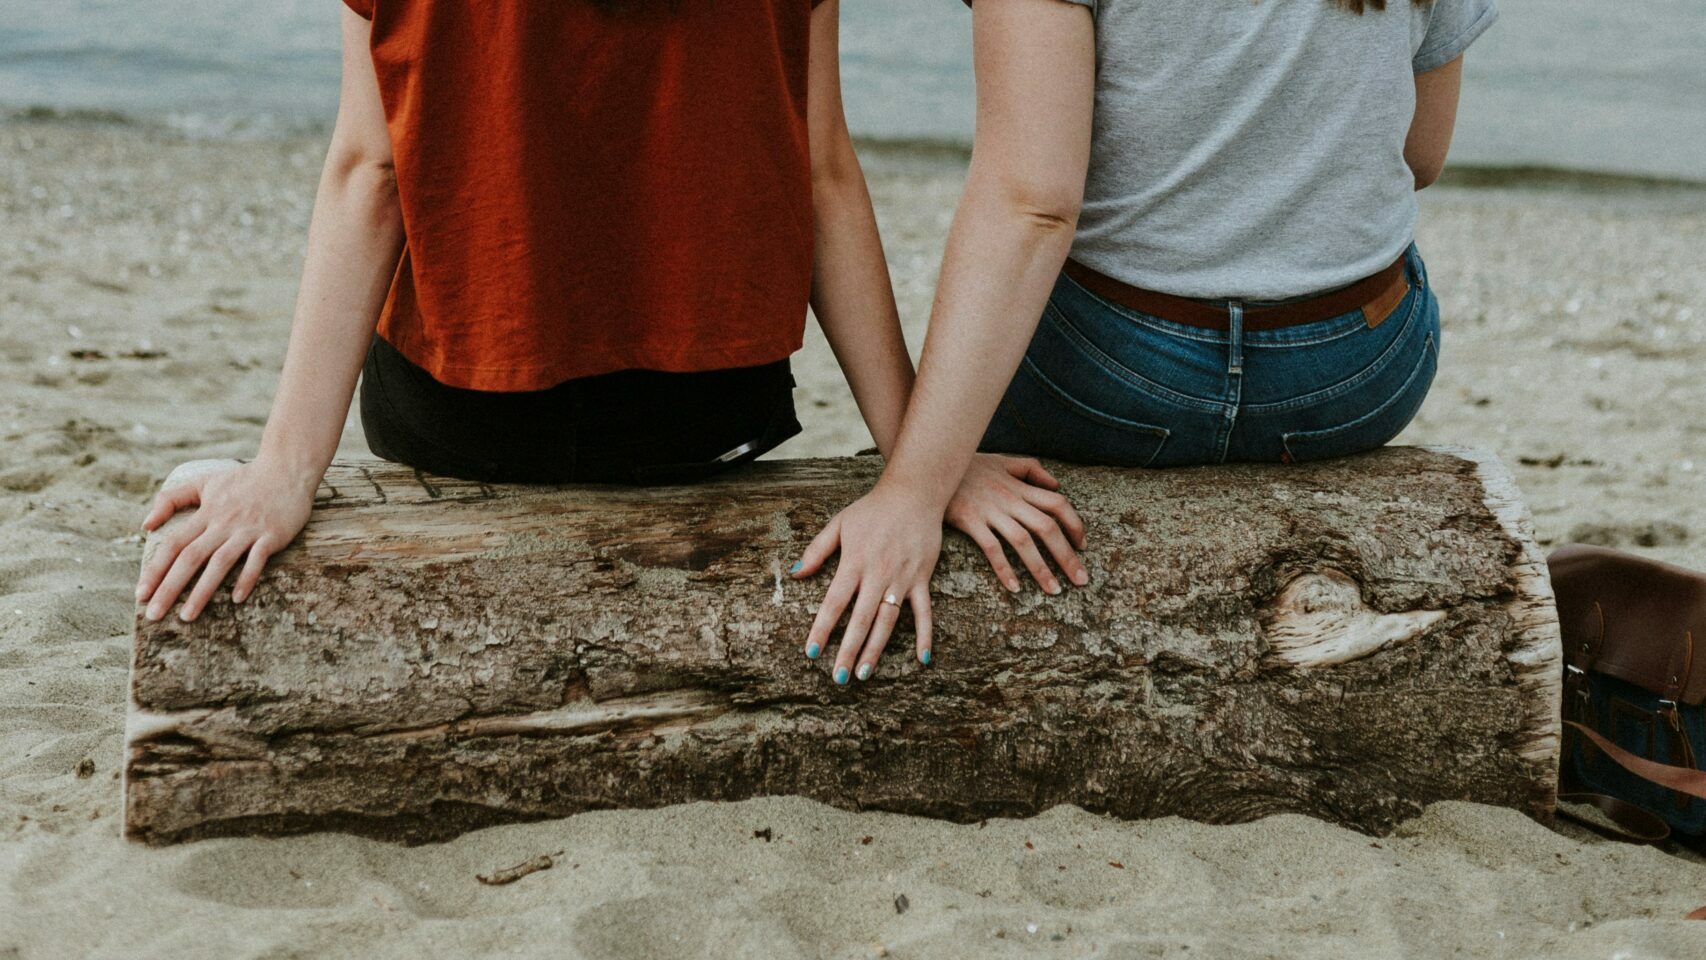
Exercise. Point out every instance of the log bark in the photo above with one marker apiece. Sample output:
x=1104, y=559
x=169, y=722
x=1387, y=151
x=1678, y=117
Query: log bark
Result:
x=1350, y=640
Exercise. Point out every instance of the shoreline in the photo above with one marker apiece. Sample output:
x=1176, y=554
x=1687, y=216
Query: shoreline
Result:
x=238, y=128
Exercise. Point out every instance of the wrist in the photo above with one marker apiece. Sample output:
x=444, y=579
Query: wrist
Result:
x=918, y=491
x=298, y=470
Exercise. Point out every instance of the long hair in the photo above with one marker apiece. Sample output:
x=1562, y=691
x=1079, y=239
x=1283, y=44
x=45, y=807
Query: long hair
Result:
x=1358, y=6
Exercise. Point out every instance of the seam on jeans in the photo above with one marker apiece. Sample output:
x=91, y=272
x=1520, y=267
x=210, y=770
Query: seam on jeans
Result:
x=1374, y=368
x=1114, y=368
x=1429, y=352
x=1158, y=324
x=1078, y=407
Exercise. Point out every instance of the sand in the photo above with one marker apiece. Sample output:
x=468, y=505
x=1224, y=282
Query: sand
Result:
x=145, y=289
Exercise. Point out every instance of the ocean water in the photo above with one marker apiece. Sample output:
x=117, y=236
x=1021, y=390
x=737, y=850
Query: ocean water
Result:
x=1607, y=85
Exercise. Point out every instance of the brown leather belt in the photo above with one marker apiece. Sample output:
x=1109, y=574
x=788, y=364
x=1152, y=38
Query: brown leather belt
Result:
x=1376, y=296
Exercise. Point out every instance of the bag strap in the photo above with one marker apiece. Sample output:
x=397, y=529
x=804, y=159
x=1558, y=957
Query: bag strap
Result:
x=1630, y=823
x=1680, y=779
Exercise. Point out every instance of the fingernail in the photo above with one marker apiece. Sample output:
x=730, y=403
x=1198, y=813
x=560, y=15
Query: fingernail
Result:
x=1053, y=588
x=796, y=567
x=841, y=675
x=139, y=594
x=1081, y=578
x=152, y=614
x=924, y=657
x=185, y=616
x=864, y=671
x=1012, y=586
x=812, y=650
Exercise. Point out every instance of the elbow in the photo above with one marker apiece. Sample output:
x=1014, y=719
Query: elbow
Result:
x=836, y=178
x=366, y=185
x=1041, y=202
x=362, y=172
x=1426, y=170
x=1049, y=219
x=1046, y=211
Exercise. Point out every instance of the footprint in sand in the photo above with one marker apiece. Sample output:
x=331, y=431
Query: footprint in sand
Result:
x=655, y=927
x=1656, y=533
x=309, y=873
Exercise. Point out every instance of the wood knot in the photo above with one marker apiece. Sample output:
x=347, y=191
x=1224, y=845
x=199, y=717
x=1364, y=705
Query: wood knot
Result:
x=1320, y=619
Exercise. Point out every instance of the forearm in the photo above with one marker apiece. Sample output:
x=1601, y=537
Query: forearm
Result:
x=854, y=302
x=1003, y=258
x=354, y=241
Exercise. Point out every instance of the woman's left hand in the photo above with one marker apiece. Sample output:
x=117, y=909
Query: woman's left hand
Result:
x=889, y=541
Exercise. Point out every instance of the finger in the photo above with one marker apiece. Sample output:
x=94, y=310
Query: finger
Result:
x=165, y=554
x=922, y=621
x=818, y=552
x=251, y=575
x=841, y=591
x=170, y=501
x=218, y=565
x=997, y=559
x=190, y=559
x=1025, y=546
x=1061, y=509
x=888, y=614
x=1031, y=470
x=1047, y=529
x=858, y=628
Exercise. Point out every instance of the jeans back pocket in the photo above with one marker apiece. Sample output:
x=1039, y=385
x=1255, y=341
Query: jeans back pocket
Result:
x=1372, y=416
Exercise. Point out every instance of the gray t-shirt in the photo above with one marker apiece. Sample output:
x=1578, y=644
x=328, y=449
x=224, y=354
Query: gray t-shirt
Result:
x=1255, y=150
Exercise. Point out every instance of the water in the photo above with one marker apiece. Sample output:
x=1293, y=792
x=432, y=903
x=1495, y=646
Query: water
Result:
x=1608, y=85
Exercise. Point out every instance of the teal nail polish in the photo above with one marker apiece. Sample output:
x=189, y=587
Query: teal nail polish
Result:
x=812, y=650
x=864, y=671
x=841, y=675
x=924, y=658
x=796, y=567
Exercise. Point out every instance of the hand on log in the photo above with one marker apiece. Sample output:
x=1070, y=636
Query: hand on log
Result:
x=1350, y=640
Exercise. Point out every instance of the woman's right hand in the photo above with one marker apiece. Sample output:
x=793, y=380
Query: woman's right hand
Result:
x=242, y=515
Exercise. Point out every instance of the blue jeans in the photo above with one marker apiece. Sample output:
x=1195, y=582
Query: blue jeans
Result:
x=1104, y=384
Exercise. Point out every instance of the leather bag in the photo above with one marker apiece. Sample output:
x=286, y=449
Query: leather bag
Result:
x=1634, y=709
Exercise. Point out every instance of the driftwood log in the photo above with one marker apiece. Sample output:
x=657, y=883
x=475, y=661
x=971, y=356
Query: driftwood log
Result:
x=1350, y=640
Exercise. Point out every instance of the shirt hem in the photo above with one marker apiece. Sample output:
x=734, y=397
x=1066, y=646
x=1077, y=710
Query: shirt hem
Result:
x=525, y=379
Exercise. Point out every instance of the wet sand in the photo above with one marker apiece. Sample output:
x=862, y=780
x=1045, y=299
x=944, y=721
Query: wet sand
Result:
x=146, y=284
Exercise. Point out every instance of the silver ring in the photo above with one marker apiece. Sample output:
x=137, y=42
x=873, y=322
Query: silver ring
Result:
x=892, y=601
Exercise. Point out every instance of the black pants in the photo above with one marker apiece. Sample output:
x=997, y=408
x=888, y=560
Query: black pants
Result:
x=633, y=427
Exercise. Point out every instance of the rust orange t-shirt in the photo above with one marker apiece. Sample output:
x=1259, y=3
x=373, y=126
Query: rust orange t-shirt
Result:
x=593, y=187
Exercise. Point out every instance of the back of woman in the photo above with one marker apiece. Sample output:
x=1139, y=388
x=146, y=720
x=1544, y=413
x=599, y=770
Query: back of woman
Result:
x=1242, y=284
x=1256, y=150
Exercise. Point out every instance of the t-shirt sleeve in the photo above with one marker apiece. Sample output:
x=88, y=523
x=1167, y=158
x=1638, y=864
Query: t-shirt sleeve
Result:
x=1452, y=26
x=362, y=8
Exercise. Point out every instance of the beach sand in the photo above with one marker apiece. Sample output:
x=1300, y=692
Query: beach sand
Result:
x=146, y=285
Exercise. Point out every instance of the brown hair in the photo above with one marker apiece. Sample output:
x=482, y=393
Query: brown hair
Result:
x=1358, y=6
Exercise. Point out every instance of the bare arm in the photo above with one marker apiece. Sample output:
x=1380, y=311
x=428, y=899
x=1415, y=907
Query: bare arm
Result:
x=852, y=295
x=1035, y=92
x=1036, y=75
x=354, y=241
x=1436, y=116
